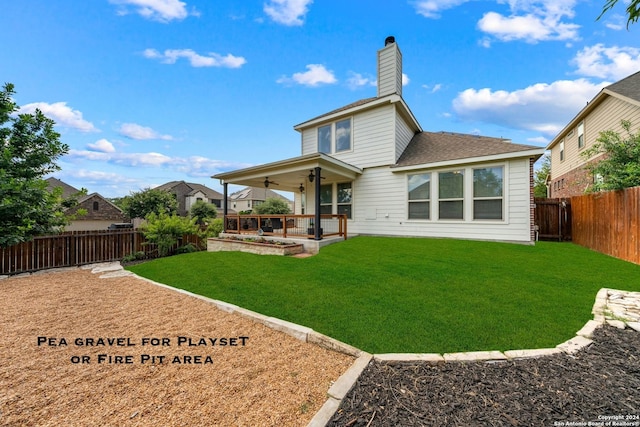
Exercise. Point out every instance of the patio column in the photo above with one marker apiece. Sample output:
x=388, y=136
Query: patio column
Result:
x=318, y=236
x=225, y=208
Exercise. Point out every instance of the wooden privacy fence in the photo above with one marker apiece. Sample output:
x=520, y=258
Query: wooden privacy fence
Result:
x=77, y=248
x=609, y=222
x=553, y=219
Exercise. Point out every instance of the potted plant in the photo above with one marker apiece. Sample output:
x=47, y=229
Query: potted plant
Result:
x=311, y=230
x=267, y=225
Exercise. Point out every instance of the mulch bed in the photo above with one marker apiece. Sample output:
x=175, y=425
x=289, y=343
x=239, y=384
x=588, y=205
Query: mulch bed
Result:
x=598, y=384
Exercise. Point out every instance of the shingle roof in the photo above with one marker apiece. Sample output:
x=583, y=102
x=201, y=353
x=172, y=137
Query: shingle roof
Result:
x=629, y=86
x=432, y=147
x=210, y=193
x=344, y=108
x=67, y=190
x=256, y=193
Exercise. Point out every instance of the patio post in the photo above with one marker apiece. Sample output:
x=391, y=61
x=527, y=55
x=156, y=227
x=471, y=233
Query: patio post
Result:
x=317, y=236
x=225, y=209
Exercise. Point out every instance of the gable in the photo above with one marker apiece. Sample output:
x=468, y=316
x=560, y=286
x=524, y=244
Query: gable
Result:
x=626, y=91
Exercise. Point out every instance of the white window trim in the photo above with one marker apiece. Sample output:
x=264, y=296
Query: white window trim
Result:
x=333, y=149
x=434, y=213
x=581, y=133
x=430, y=199
x=465, y=191
x=503, y=197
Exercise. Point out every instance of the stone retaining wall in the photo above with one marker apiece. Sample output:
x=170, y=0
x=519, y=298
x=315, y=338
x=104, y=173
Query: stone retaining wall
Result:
x=217, y=245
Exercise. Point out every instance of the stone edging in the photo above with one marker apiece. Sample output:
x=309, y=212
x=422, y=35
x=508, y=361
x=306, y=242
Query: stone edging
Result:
x=620, y=309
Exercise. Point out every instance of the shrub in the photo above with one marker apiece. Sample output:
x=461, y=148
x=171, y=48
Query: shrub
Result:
x=203, y=212
x=165, y=231
x=273, y=206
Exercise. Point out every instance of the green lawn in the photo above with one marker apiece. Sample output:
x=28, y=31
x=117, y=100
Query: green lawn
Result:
x=386, y=295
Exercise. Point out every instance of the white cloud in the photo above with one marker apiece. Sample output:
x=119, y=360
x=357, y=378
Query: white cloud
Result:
x=539, y=140
x=433, y=89
x=528, y=20
x=102, y=178
x=170, y=56
x=62, y=114
x=191, y=166
x=532, y=21
x=405, y=79
x=102, y=145
x=135, y=131
x=607, y=62
x=357, y=80
x=156, y=10
x=432, y=8
x=542, y=107
x=287, y=12
x=316, y=75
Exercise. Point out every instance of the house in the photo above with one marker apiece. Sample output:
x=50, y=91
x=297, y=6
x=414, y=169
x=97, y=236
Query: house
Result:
x=373, y=162
x=616, y=102
x=250, y=197
x=100, y=212
x=188, y=193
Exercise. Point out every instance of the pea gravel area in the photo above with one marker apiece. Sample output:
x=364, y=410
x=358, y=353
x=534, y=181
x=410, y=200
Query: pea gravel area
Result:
x=271, y=380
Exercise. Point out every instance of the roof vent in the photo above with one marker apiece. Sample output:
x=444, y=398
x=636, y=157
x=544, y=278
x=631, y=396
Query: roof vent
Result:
x=389, y=40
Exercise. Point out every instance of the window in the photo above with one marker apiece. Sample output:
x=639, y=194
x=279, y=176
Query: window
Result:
x=341, y=131
x=344, y=199
x=96, y=206
x=487, y=193
x=562, y=150
x=324, y=139
x=326, y=198
x=451, y=195
x=343, y=135
x=581, y=135
x=419, y=187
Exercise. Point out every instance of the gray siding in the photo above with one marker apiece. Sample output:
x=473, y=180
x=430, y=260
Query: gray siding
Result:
x=606, y=116
x=403, y=135
x=380, y=208
x=389, y=70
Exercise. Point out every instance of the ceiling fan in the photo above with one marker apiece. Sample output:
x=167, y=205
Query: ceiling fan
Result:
x=267, y=182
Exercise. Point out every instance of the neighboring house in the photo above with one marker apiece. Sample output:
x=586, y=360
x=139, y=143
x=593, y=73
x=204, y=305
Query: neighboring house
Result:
x=250, y=197
x=101, y=213
x=188, y=193
x=616, y=102
x=372, y=161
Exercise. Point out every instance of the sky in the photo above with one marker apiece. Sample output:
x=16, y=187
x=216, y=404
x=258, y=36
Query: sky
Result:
x=150, y=91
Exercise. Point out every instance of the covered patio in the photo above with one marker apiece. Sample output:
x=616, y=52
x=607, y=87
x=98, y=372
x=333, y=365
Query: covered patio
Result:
x=304, y=176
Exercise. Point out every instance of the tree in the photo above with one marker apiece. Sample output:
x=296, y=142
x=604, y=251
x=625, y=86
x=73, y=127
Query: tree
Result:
x=166, y=230
x=633, y=10
x=540, y=177
x=202, y=212
x=273, y=206
x=620, y=167
x=150, y=200
x=29, y=149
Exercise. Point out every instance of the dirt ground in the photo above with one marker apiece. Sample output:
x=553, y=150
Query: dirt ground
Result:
x=218, y=369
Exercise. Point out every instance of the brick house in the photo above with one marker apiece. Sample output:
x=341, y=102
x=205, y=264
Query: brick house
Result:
x=616, y=102
x=101, y=213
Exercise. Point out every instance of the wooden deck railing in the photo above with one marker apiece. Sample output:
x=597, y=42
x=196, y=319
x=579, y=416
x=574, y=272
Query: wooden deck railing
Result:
x=286, y=225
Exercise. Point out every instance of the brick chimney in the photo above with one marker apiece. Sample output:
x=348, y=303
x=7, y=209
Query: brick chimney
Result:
x=389, y=68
